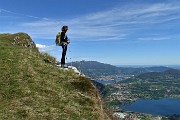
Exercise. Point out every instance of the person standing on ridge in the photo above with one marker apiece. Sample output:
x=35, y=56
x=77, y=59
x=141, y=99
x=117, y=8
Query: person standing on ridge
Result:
x=64, y=43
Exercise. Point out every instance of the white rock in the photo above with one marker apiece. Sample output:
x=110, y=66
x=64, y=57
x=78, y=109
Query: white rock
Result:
x=72, y=68
x=119, y=115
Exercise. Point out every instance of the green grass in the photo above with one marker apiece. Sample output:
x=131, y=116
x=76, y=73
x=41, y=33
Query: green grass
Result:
x=32, y=89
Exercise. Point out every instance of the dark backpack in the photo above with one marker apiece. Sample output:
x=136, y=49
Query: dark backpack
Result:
x=58, y=39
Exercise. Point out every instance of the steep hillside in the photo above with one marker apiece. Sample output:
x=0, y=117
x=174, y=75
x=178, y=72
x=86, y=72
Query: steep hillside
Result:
x=34, y=89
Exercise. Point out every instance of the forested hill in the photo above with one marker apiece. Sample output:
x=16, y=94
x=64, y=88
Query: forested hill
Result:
x=33, y=88
x=154, y=84
x=171, y=74
x=95, y=69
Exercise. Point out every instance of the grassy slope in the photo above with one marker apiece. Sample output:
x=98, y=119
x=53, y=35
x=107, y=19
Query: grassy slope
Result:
x=33, y=89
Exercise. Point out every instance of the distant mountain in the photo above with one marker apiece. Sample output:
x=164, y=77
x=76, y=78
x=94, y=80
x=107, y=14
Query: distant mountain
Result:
x=173, y=71
x=154, y=84
x=141, y=70
x=96, y=69
x=157, y=69
x=171, y=74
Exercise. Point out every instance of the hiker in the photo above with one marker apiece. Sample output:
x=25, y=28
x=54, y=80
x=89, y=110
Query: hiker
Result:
x=64, y=43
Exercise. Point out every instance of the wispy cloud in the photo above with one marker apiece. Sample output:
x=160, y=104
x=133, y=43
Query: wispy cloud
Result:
x=154, y=38
x=116, y=24
x=119, y=23
x=45, y=48
x=160, y=38
x=3, y=12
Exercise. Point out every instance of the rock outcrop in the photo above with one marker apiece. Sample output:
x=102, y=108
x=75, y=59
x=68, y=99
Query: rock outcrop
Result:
x=21, y=39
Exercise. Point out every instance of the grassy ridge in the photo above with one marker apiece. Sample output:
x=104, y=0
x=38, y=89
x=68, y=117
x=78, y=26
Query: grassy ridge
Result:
x=32, y=89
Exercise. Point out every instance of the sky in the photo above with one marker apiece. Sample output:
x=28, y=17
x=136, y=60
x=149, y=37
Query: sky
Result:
x=117, y=32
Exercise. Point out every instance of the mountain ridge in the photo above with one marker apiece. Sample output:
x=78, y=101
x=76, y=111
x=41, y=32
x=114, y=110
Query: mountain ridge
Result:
x=94, y=69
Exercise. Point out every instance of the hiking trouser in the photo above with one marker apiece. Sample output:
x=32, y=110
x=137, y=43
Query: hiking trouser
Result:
x=64, y=49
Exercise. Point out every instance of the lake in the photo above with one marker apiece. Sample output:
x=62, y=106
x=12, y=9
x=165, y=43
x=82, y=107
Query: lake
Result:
x=164, y=107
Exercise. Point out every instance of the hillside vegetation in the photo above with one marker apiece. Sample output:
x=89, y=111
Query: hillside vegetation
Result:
x=155, y=84
x=32, y=88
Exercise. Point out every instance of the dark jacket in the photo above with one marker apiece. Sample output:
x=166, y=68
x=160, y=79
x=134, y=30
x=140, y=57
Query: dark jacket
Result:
x=64, y=37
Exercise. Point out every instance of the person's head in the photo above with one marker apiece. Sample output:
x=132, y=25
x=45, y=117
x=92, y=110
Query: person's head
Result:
x=64, y=28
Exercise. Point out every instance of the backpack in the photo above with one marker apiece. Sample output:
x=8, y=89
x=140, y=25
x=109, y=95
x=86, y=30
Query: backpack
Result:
x=58, y=39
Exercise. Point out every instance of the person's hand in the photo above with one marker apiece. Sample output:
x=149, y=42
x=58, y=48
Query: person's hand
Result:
x=68, y=41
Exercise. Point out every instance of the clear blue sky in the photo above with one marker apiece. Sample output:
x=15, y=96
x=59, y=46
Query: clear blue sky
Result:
x=118, y=32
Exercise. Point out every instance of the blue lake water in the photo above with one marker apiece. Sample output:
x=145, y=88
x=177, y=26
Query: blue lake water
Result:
x=165, y=106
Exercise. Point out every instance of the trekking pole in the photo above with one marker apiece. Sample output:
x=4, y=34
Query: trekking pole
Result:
x=71, y=61
x=70, y=56
x=66, y=59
